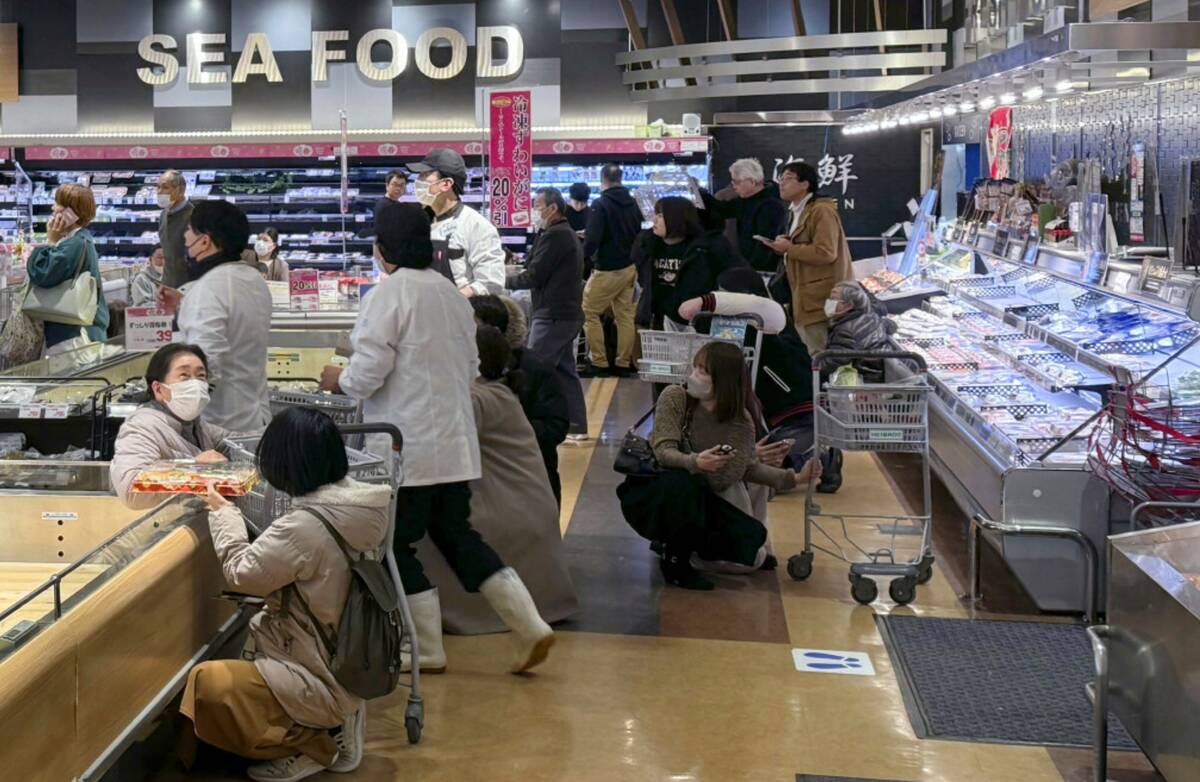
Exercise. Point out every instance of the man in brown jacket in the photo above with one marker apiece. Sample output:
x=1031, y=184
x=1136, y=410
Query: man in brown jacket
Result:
x=816, y=251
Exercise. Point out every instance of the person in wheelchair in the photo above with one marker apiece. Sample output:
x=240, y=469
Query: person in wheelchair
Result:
x=696, y=509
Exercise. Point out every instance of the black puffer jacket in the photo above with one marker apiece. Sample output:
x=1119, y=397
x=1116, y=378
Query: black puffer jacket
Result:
x=706, y=257
x=860, y=330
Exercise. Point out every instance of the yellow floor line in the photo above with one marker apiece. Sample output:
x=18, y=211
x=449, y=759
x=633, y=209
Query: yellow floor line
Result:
x=573, y=460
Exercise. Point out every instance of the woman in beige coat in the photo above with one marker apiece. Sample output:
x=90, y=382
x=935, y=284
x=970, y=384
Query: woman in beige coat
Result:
x=512, y=505
x=168, y=426
x=285, y=706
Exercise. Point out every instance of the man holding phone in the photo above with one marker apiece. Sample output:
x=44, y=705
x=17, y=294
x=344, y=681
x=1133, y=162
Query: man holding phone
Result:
x=176, y=211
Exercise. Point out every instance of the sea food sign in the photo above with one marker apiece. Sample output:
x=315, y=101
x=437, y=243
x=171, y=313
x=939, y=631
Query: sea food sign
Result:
x=258, y=59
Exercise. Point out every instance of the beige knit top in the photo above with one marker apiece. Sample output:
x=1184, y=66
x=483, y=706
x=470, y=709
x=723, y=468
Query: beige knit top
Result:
x=704, y=432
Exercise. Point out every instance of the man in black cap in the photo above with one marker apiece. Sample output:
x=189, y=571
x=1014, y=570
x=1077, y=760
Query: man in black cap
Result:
x=578, y=209
x=475, y=253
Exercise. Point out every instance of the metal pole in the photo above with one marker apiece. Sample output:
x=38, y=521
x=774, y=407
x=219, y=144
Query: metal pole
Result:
x=1099, y=692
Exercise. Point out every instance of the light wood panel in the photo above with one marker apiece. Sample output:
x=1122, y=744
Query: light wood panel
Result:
x=68, y=693
x=30, y=528
x=18, y=579
x=8, y=63
x=1099, y=8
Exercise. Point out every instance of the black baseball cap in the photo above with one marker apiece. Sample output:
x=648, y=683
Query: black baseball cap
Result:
x=445, y=161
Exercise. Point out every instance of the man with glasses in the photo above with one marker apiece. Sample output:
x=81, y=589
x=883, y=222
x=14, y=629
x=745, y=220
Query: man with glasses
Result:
x=815, y=251
x=172, y=222
x=758, y=211
x=475, y=254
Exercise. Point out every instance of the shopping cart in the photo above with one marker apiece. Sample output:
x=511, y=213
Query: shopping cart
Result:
x=885, y=417
x=264, y=504
x=342, y=409
x=667, y=355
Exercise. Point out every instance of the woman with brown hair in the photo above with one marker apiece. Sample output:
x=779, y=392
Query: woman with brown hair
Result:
x=69, y=253
x=697, y=507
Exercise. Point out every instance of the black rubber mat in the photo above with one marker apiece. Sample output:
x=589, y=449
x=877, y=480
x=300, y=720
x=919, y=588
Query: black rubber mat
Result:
x=996, y=682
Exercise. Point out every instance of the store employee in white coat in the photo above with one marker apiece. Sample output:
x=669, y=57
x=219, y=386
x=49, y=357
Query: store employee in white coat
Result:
x=413, y=364
x=226, y=311
x=476, y=255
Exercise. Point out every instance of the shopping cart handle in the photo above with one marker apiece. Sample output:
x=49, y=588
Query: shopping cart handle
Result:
x=752, y=318
x=822, y=356
x=389, y=429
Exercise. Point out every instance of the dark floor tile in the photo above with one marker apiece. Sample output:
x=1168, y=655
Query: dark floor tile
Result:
x=741, y=608
x=616, y=578
x=1076, y=765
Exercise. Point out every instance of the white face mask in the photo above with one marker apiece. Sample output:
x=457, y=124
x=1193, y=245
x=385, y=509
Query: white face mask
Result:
x=421, y=191
x=263, y=247
x=699, y=387
x=539, y=222
x=188, y=398
x=164, y=201
x=831, y=307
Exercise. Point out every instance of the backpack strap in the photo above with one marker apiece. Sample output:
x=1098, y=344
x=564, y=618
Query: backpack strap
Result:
x=329, y=643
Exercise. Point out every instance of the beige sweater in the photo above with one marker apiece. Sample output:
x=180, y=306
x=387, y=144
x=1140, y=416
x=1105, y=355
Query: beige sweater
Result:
x=705, y=432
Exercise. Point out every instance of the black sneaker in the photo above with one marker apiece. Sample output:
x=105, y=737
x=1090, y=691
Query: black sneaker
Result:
x=831, y=473
x=680, y=573
x=624, y=372
x=591, y=370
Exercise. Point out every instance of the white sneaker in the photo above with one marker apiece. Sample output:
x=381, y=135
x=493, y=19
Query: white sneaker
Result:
x=577, y=439
x=350, y=742
x=291, y=769
x=532, y=637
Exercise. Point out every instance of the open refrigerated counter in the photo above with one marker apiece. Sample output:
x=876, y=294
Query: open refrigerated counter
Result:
x=1025, y=352
x=103, y=611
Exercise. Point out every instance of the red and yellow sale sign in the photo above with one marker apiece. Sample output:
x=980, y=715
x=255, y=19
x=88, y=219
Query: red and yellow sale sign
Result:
x=510, y=158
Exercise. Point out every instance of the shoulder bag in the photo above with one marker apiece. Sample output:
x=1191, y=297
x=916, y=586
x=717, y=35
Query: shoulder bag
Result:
x=22, y=339
x=636, y=456
x=72, y=302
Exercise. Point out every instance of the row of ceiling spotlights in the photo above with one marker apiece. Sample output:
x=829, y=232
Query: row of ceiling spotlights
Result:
x=924, y=114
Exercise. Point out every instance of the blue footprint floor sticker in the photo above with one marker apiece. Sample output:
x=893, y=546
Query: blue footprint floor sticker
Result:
x=828, y=661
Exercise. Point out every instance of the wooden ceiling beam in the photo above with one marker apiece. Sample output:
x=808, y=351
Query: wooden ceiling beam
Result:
x=728, y=19
x=798, y=18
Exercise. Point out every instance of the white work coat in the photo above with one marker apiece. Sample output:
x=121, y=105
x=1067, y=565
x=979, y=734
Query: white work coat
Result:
x=476, y=255
x=413, y=364
x=227, y=313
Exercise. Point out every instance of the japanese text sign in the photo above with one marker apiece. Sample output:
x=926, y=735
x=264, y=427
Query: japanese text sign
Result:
x=147, y=328
x=510, y=158
x=304, y=289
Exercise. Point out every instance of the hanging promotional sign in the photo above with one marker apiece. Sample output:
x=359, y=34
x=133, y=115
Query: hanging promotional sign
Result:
x=147, y=328
x=1137, y=183
x=999, y=142
x=510, y=158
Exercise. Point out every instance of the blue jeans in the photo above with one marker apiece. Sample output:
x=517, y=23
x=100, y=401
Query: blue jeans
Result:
x=553, y=341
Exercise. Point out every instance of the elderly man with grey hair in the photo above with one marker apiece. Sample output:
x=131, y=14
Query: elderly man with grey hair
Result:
x=176, y=211
x=856, y=322
x=758, y=210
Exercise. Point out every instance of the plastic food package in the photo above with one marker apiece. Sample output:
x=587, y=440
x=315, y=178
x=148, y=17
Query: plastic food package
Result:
x=186, y=477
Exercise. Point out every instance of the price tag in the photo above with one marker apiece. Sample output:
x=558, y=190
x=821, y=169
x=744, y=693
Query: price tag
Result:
x=279, y=294
x=329, y=291
x=30, y=411
x=55, y=411
x=304, y=289
x=147, y=328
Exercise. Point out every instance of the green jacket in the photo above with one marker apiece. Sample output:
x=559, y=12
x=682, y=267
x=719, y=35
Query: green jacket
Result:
x=51, y=264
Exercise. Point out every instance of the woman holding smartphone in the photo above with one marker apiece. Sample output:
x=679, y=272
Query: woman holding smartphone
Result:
x=69, y=252
x=698, y=507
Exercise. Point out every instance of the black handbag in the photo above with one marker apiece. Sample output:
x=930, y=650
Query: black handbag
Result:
x=636, y=457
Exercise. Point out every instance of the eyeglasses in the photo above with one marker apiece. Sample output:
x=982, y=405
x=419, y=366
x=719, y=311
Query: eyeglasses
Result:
x=788, y=177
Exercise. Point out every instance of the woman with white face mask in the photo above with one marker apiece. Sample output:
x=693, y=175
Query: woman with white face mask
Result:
x=697, y=508
x=266, y=250
x=168, y=426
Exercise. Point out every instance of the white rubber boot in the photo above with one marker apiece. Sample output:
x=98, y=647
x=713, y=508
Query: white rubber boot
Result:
x=508, y=597
x=427, y=620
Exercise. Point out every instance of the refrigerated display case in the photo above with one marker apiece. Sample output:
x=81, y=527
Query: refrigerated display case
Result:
x=1025, y=352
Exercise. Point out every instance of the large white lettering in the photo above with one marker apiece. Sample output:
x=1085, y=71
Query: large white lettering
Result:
x=258, y=58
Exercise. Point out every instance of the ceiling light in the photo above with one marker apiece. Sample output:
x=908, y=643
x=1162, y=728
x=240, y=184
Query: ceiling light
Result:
x=888, y=124
x=966, y=107
x=920, y=116
x=935, y=112
x=949, y=111
x=1133, y=73
x=1033, y=93
x=905, y=120
x=1066, y=85
x=1008, y=99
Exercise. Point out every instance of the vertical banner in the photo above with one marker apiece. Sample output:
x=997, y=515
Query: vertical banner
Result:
x=999, y=142
x=510, y=158
x=344, y=200
x=1137, y=188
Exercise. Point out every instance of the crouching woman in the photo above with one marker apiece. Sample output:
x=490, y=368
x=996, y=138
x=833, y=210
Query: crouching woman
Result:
x=697, y=507
x=284, y=705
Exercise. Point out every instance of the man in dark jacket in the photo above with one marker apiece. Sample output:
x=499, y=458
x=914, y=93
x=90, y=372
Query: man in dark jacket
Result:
x=540, y=397
x=758, y=209
x=578, y=210
x=176, y=211
x=608, y=240
x=554, y=273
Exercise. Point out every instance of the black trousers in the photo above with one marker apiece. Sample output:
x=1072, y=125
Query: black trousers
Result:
x=550, y=459
x=444, y=511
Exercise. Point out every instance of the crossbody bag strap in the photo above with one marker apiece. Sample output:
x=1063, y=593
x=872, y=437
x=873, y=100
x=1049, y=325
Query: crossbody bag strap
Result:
x=326, y=641
x=82, y=257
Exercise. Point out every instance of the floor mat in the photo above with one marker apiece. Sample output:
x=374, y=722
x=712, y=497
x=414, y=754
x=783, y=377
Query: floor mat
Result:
x=998, y=682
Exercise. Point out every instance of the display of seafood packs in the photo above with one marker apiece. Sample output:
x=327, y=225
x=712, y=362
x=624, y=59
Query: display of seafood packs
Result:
x=231, y=479
x=920, y=325
x=880, y=281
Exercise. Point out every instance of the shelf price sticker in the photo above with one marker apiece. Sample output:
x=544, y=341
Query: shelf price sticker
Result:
x=30, y=411
x=147, y=328
x=55, y=411
x=304, y=289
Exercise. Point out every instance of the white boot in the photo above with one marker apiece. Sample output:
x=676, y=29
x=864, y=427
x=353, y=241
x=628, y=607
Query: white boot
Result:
x=427, y=622
x=508, y=597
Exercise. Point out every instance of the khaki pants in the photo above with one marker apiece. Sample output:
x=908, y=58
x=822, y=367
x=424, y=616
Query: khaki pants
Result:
x=814, y=336
x=604, y=290
x=232, y=709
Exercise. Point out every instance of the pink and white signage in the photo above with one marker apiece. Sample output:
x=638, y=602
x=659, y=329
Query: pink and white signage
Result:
x=510, y=158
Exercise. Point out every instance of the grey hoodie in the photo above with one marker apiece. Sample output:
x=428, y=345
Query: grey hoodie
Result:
x=297, y=549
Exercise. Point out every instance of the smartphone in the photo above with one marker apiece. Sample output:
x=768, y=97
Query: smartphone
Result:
x=240, y=597
x=68, y=217
x=763, y=239
x=726, y=450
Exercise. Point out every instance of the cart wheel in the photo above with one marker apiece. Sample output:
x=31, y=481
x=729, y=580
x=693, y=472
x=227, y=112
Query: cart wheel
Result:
x=903, y=590
x=413, y=726
x=799, y=566
x=926, y=571
x=864, y=590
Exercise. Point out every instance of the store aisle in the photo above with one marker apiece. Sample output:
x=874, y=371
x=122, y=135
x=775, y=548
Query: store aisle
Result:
x=652, y=683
